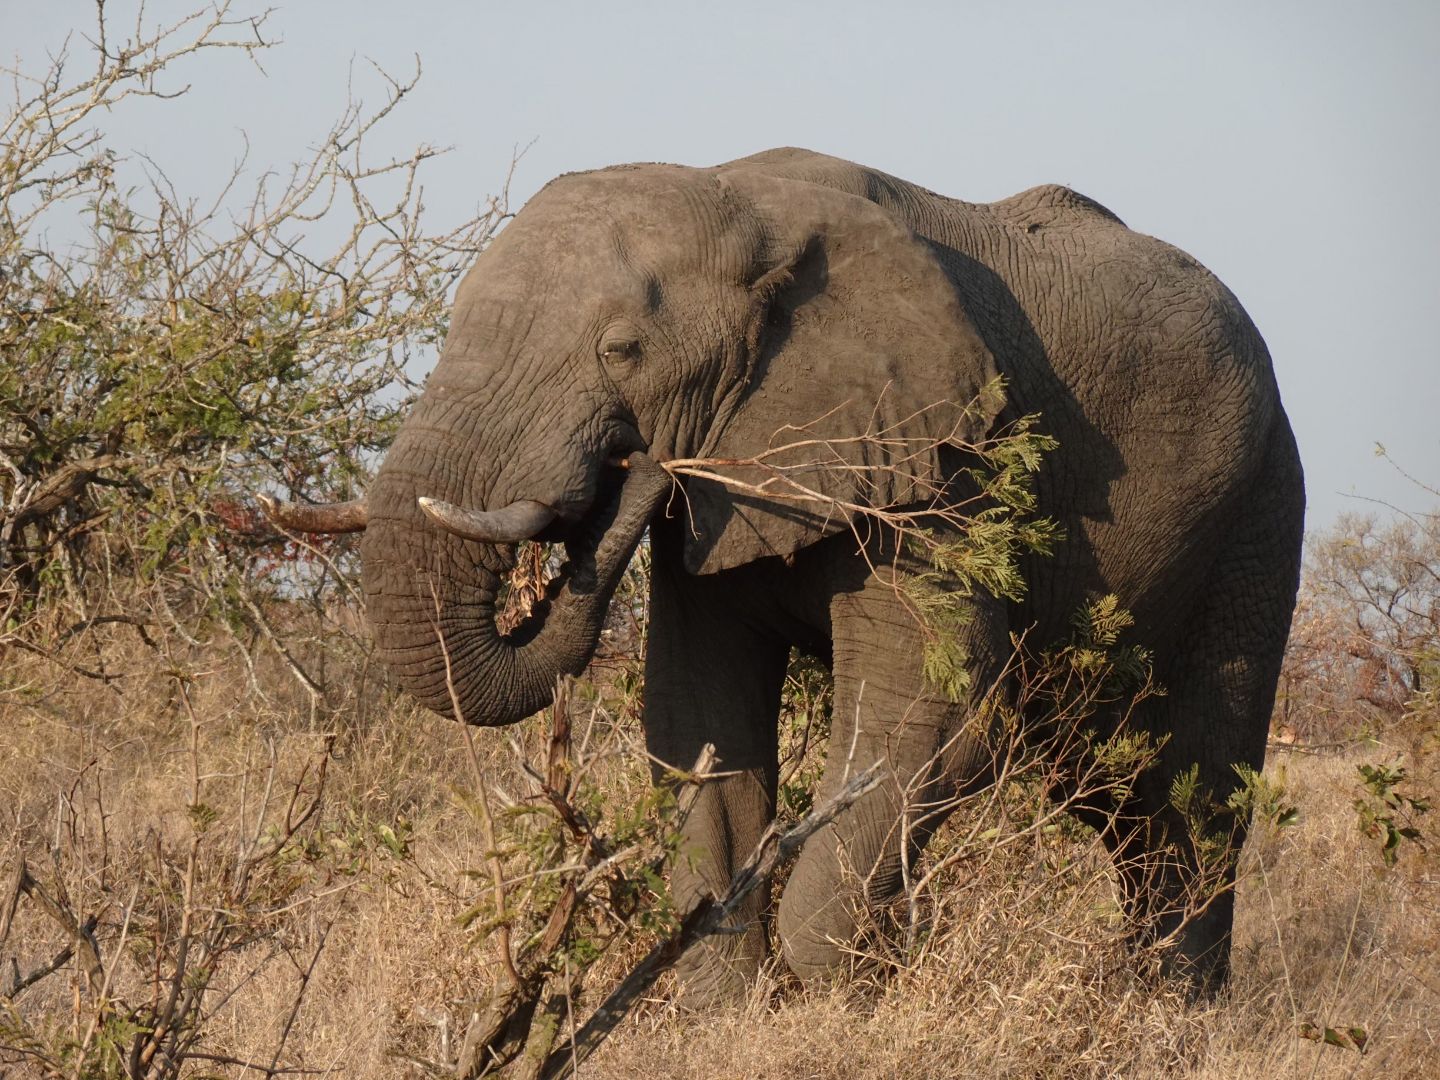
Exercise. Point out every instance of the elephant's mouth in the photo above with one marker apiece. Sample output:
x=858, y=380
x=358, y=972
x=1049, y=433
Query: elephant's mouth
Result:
x=568, y=522
x=572, y=527
x=580, y=539
x=529, y=520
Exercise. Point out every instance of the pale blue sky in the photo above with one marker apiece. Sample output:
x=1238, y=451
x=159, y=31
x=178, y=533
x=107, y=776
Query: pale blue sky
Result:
x=1294, y=148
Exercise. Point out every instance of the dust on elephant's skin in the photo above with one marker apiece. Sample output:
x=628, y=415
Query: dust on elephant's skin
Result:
x=657, y=312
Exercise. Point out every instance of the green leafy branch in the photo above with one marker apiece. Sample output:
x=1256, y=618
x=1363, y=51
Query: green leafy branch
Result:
x=1213, y=824
x=1388, y=814
x=959, y=534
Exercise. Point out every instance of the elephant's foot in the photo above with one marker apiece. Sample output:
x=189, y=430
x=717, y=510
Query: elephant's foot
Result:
x=828, y=942
x=1175, y=906
x=826, y=906
x=720, y=971
x=1201, y=955
x=817, y=948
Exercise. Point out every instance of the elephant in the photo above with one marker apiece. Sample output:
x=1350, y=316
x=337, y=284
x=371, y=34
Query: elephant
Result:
x=650, y=313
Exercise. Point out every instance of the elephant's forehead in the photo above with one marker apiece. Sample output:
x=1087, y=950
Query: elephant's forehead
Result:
x=633, y=195
x=651, y=219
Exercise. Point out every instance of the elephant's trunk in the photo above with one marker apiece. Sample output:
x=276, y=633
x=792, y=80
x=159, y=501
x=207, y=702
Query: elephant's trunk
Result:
x=431, y=599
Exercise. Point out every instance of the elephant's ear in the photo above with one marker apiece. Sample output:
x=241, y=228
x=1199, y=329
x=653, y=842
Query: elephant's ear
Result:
x=865, y=367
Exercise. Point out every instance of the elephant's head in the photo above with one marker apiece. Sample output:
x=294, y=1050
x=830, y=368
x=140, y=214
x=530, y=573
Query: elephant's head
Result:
x=641, y=314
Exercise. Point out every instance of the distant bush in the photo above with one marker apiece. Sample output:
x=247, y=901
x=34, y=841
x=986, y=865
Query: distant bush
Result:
x=1366, y=637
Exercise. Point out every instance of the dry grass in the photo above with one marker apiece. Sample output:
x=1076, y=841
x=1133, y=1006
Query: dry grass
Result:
x=1023, y=973
x=1324, y=938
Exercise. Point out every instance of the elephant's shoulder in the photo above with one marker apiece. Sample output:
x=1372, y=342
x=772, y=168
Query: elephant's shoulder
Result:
x=1052, y=204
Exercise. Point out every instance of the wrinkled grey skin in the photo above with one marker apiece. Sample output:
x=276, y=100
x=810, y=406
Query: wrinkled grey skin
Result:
x=696, y=312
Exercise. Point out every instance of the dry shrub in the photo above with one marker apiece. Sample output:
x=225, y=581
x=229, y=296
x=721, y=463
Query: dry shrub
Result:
x=209, y=846
x=305, y=873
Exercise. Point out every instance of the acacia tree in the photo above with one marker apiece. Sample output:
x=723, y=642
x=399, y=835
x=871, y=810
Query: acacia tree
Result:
x=181, y=353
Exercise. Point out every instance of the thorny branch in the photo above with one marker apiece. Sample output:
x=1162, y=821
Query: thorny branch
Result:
x=788, y=472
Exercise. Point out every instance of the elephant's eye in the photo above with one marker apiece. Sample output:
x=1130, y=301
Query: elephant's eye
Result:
x=619, y=350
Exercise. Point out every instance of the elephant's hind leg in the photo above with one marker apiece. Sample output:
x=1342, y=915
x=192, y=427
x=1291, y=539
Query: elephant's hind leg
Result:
x=1220, y=688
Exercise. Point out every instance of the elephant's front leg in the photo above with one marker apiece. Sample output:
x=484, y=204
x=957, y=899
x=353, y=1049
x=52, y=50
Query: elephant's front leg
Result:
x=884, y=712
x=714, y=676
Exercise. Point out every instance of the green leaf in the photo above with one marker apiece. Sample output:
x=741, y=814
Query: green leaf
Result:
x=202, y=816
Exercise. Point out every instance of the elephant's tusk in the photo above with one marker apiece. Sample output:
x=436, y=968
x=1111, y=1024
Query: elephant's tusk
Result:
x=518, y=521
x=344, y=517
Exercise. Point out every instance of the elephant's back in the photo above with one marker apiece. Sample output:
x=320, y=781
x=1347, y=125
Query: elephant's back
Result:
x=1147, y=370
